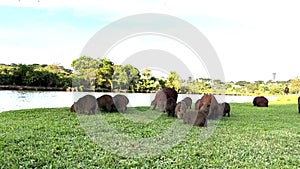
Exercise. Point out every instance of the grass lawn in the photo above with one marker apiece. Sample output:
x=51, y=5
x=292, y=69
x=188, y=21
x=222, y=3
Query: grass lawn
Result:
x=56, y=138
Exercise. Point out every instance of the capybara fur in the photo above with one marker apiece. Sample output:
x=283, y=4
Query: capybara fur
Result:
x=226, y=109
x=180, y=109
x=205, y=99
x=120, y=102
x=197, y=117
x=299, y=104
x=159, y=101
x=216, y=110
x=188, y=101
x=105, y=103
x=260, y=101
x=86, y=104
x=161, y=97
x=170, y=107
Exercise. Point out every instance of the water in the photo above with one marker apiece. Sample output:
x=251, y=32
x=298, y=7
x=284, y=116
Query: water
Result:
x=15, y=100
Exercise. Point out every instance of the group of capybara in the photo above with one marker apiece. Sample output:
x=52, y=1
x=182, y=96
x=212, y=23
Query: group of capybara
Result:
x=205, y=108
x=165, y=100
x=88, y=104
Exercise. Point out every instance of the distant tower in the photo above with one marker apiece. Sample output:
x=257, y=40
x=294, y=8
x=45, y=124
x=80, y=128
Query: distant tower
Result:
x=274, y=76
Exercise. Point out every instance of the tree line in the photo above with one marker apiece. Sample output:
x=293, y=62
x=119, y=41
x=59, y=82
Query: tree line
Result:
x=90, y=74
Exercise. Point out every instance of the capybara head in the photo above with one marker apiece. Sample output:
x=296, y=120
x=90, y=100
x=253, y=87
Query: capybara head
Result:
x=195, y=118
x=170, y=107
x=180, y=109
x=226, y=109
x=72, y=109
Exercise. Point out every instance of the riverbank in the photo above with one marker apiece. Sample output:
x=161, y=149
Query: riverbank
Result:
x=30, y=88
x=252, y=137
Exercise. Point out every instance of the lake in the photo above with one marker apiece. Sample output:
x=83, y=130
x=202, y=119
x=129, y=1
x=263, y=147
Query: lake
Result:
x=15, y=100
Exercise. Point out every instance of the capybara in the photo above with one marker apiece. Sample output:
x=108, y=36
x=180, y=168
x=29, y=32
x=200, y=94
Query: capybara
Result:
x=86, y=104
x=299, y=104
x=161, y=97
x=260, y=101
x=170, y=107
x=197, y=117
x=120, y=102
x=226, y=109
x=216, y=110
x=188, y=101
x=205, y=99
x=105, y=102
x=159, y=101
x=180, y=109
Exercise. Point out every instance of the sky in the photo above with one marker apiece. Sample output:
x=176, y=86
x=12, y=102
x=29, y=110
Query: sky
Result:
x=252, y=39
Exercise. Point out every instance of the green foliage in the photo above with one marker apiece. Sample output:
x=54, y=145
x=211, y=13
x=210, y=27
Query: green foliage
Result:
x=252, y=137
x=35, y=75
x=174, y=81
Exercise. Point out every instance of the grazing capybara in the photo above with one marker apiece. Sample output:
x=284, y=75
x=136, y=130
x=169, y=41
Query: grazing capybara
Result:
x=161, y=97
x=180, y=109
x=120, y=102
x=105, y=102
x=216, y=110
x=159, y=101
x=197, y=117
x=170, y=107
x=260, y=101
x=205, y=99
x=86, y=104
x=188, y=101
x=226, y=109
x=299, y=104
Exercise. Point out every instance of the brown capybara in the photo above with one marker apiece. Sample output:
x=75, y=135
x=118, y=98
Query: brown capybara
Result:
x=180, y=109
x=188, y=101
x=226, y=109
x=105, y=102
x=161, y=97
x=260, y=101
x=120, y=102
x=159, y=101
x=170, y=107
x=197, y=117
x=299, y=104
x=216, y=110
x=205, y=99
x=86, y=104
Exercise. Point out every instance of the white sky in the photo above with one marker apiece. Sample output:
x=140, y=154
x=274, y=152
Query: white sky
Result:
x=253, y=38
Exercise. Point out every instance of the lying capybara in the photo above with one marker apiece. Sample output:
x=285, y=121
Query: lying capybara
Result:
x=216, y=110
x=188, y=101
x=226, y=109
x=105, y=102
x=180, y=109
x=299, y=104
x=120, y=102
x=170, y=107
x=197, y=117
x=161, y=97
x=205, y=99
x=260, y=101
x=86, y=104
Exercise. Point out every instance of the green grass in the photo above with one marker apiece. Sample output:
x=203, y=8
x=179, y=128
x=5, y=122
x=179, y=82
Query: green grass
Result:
x=55, y=138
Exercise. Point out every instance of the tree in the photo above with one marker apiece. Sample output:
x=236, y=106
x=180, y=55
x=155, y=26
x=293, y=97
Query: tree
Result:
x=105, y=74
x=173, y=81
x=86, y=69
